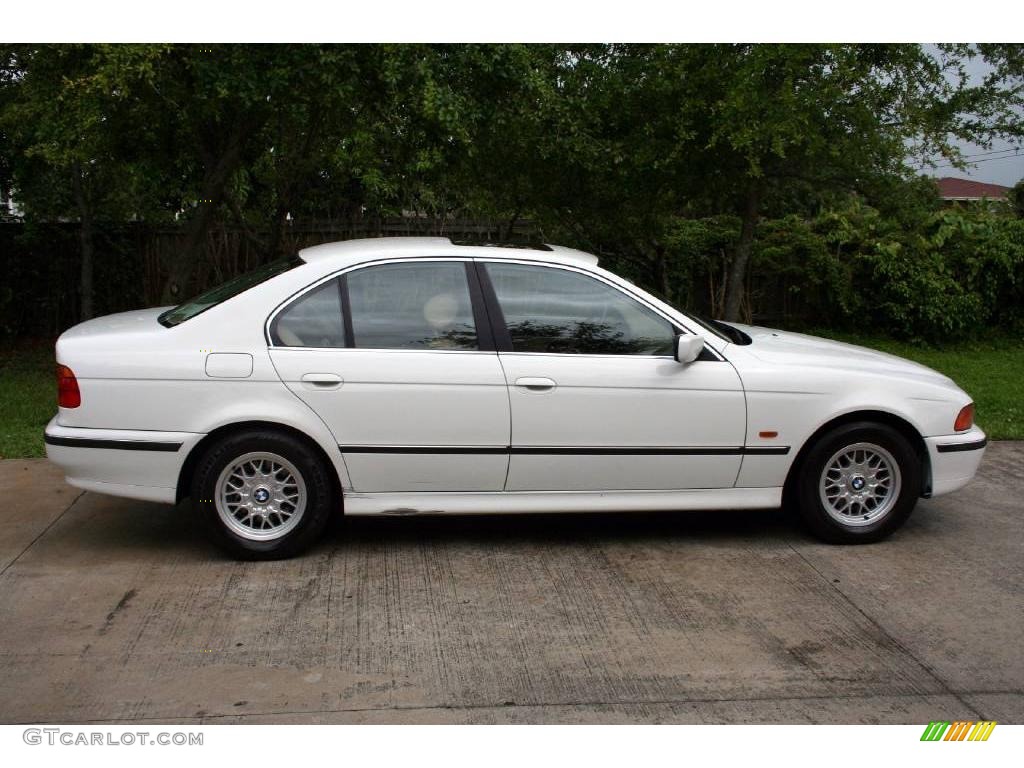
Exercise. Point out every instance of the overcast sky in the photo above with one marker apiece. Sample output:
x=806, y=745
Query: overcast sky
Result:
x=1000, y=164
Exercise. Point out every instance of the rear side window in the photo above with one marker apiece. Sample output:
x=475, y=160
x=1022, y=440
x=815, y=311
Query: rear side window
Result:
x=411, y=306
x=562, y=312
x=312, y=320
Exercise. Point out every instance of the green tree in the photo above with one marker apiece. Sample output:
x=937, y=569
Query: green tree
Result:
x=1017, y=198
x=749, y=129
x=610, y=147
x=213, y=104
x=72, y=138
x=836, y=117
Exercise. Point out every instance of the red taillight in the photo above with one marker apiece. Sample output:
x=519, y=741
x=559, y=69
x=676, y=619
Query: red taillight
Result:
x=68, y=395
x=964, y=419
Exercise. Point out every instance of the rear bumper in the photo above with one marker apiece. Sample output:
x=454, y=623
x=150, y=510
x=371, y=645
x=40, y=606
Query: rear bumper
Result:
x=955, y=459
x=136, y=464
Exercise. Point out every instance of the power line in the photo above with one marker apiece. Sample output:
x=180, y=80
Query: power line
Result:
x=993, y=152
x=1002, y=154
x=975, y=162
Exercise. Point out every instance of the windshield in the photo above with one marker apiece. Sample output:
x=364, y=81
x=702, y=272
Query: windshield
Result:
x=225, y=291
x=731, y=333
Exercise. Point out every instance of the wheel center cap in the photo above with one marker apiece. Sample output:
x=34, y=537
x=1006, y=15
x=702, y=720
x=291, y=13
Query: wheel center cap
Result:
x=857, y=483
x=261, y=495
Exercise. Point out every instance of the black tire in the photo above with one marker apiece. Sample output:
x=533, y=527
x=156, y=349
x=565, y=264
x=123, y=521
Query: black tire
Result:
x=861, y=529
x=320, y=500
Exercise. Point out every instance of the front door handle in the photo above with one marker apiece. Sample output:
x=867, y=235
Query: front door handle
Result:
x=536, y=383
x=322, y=380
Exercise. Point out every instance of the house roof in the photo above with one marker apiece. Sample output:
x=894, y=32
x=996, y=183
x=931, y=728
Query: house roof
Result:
x=964, y=189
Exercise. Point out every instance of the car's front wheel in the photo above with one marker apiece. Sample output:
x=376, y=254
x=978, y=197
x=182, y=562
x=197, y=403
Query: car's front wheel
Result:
x=858, y=483
x=262, y=495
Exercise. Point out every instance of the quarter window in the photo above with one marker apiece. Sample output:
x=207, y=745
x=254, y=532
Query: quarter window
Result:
x=412, y=306
x=312, y=320
x=558, y=311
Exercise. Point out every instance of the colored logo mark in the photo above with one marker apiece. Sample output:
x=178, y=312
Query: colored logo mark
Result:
x=959, y=730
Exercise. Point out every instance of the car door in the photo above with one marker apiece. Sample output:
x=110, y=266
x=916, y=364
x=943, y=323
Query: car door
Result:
x=598, y=401
x=397, y=358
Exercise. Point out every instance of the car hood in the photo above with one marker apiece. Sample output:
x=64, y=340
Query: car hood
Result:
x=783, y=347
x=139, y=320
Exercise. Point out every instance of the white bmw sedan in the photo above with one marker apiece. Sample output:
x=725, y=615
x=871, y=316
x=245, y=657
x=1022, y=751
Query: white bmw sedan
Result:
x=400, y=376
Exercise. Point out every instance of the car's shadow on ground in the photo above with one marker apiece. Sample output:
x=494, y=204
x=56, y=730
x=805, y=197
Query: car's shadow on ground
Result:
x=120, y=528
x=562, y=529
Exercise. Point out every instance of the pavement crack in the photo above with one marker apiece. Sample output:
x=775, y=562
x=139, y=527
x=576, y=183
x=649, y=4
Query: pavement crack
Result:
x=889, y=637
x=121, y=605
x=42, y=533
x=619, y=703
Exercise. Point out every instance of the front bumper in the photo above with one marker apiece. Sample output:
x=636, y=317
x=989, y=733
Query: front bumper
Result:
x=137, y=464
x=955, y=459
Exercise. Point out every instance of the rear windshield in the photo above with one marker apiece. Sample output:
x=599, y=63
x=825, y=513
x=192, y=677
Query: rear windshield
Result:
x=225, y=291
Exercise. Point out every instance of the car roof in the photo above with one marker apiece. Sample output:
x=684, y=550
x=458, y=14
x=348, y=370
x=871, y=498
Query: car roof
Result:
x=351, y=251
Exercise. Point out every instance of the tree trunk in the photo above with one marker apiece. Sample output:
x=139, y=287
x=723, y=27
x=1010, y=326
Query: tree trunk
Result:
x=736, y=278
x=273, y=242
x=85, y=236
x=510, y=231
x=659, y=265
x=215, y=179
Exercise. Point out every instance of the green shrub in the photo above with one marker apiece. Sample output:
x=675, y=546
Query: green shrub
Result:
x=951, y=275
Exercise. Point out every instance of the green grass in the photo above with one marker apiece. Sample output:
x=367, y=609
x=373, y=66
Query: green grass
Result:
x=28, y=398
x=991, y=372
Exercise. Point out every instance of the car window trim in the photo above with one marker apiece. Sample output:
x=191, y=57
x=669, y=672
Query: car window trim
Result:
x=346, y=312
x=483, y=337
x=503, y=337
x=495, y=316
x=710, y=353
x=485, y=340
x=271, y=329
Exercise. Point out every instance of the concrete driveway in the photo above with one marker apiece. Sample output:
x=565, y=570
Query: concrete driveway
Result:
x=118, y=611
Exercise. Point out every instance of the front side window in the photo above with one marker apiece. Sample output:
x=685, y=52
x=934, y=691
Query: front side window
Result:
x=312, y=320
x=412, y=306
x=557, y=311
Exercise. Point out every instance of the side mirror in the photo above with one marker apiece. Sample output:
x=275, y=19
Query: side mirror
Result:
x=688, y=347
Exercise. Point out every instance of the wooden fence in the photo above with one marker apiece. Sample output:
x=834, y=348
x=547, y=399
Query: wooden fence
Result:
x=40, y=265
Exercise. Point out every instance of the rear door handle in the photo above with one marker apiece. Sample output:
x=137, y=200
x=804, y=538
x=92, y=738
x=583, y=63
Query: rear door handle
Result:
x=322, y=380
x=536, y=383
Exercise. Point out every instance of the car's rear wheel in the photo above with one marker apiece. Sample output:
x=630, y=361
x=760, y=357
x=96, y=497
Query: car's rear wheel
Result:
x=858, y=483
x=262, y=495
